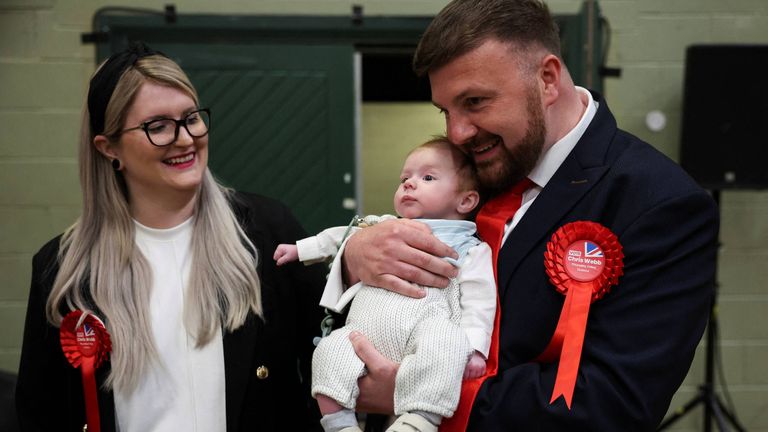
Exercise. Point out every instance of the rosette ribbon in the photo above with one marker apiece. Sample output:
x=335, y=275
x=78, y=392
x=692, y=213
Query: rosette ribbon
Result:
x=86, y=344
x=583, y=260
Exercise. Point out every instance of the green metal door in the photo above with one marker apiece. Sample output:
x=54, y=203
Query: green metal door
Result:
x=282, y=122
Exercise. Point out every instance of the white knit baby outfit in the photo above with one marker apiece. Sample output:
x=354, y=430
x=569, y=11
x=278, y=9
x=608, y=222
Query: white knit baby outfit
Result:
x=424, y=335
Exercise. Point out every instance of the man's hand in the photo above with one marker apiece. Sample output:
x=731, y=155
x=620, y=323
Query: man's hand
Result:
x=397, y=254
x=377, y=388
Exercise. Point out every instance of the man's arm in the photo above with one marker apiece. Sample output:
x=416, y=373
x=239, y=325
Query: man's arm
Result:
x=395, y=255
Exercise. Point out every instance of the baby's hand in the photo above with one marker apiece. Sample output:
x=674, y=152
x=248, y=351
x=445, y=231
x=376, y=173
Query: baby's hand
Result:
x=475, y=366
x=286, y=253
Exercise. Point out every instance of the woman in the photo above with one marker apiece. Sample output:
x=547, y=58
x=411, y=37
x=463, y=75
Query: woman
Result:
x=206, y=332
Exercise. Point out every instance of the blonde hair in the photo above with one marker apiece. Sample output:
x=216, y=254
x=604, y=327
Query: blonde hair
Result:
x=101, y=267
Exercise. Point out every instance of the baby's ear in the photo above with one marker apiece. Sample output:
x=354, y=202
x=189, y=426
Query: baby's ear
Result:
x=468, y=200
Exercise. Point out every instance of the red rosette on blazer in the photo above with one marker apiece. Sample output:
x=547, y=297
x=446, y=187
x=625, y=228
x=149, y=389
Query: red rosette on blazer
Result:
x=583, y=260
x=86, y=344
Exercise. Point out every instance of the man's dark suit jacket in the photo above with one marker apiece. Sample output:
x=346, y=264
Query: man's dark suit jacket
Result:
x=49, y=392
x=641, y=337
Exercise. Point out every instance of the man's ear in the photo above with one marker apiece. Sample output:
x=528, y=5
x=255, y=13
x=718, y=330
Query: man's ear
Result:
x=105, y=147
x=550, y=70
x=468, y=200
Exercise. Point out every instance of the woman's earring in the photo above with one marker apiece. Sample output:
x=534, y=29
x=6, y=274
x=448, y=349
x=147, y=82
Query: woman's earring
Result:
x=116, y=164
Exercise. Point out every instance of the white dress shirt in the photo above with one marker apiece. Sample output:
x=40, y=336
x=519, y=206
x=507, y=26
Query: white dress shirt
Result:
x=551, y=160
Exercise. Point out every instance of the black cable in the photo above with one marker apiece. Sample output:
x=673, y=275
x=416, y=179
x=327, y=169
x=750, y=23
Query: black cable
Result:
x=721, y=374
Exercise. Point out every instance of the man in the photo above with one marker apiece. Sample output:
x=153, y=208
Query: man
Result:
x=497, y=75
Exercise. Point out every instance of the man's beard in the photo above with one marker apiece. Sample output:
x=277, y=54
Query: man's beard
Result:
x=514, y=164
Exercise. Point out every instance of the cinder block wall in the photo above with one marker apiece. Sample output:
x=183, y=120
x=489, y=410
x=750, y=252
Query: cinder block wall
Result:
x=44, y=71
x=649, y=41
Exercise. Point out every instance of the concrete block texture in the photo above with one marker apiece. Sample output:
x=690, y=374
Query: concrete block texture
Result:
x=756, y=357
x=18, y=34
x=44, y=71
x=55, y=182
x=660, y=83
x=744, y=221
x=61, y=40
x=744, y=29
x=15, y=273
x=751, y=406
x=35, y=85
x=743, y=271
x=12, y=322
x=33, y=134
x=742, y=317
x=657, y=39
x=26, y=229
x=9, y=359
x=662, y=7
x=25, y=4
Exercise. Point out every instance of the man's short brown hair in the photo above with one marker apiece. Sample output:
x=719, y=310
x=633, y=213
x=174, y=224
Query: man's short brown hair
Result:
x=464, y=25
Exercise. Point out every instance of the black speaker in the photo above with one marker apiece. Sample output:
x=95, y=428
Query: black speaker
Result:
x=724, y=140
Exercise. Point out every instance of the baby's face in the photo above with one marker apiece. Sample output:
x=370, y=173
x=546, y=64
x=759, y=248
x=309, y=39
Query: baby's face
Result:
x=429, y=186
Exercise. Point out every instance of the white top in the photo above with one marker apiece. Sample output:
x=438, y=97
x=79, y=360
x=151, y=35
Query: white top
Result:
x=184, y=391
x=475, y=280
x=552, y=159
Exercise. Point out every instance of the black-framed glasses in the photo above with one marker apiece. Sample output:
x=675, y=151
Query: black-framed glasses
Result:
x=164, y=131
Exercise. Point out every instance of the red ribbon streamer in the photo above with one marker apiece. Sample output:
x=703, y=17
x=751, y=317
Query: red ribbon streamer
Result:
x=491, y=223
x=583, y=276
x=469, y=388
x=86, y=344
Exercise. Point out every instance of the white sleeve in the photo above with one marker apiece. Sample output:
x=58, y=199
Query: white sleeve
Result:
x=322, y=246
x=478, y=297
x=335, y=297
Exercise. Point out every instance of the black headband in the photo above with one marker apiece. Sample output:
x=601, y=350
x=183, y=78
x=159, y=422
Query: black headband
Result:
x=104, y=82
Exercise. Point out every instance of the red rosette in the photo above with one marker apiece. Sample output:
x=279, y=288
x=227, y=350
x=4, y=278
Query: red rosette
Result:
x=93, y=338
x=86, y=344
x=583, y=260
x=562, y=242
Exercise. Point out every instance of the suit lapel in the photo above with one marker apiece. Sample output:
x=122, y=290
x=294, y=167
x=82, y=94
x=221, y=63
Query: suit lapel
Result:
x=578, y=174
x=543, y=217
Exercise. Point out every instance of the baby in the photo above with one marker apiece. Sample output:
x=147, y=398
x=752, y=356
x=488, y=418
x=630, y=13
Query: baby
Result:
x=437, y=339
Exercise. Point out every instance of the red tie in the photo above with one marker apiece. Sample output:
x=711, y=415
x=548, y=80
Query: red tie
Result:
x=491, y=222
x=493, y=217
